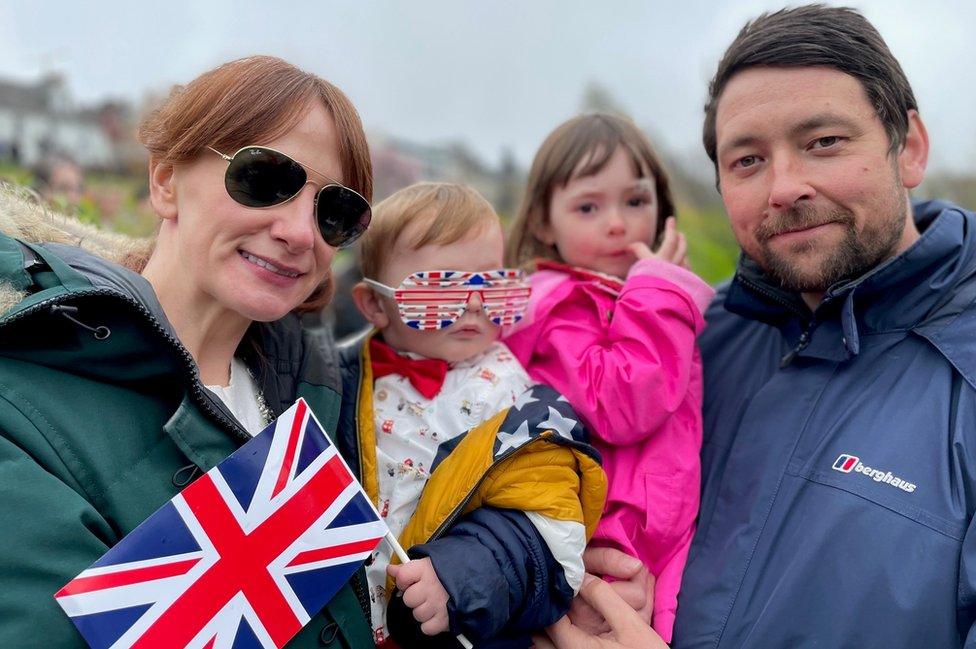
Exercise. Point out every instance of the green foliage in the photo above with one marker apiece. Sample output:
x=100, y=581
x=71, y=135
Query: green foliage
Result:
x=110, y=201
x=712, y=248
x=15, y=175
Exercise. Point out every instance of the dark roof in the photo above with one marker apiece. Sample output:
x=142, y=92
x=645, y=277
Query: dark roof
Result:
x=22, y=97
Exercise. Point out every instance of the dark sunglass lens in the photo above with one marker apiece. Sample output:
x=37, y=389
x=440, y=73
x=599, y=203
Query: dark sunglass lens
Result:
x=343, y=215
x=260, y=177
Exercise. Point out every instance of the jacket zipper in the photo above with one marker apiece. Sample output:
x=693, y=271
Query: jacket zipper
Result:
x=360, y=585
x=355, y=416
x=189, y=364
x=772, y=297
x=805, y=336
x=801, y=344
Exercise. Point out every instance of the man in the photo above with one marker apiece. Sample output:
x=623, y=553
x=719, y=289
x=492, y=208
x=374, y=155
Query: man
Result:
x=840, y=363
x=839, y=463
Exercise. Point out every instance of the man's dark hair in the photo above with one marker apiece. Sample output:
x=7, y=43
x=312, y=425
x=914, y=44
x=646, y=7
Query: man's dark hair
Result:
x=817, y=35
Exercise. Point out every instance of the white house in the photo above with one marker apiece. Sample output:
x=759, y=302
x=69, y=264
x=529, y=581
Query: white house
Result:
x=39, y=118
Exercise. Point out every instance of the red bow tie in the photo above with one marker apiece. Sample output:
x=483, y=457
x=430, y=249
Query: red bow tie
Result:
x=425, y=374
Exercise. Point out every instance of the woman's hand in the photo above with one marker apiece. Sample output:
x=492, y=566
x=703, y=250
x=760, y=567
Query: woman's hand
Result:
x=632, y=582
x=626, y=628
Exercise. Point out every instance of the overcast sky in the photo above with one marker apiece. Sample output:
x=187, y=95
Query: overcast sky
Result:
x=496, y=74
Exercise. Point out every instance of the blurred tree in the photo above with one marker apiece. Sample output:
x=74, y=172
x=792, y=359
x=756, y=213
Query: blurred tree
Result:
x=509, y=185
x=597, y=98
x=955, y=187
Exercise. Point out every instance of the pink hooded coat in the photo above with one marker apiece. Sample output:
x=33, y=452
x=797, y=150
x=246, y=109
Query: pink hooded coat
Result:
x=624, y=355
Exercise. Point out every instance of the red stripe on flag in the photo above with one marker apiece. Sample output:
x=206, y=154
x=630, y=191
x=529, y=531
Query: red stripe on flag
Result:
x=290, y=450
x=125, y=577
x=244, y=559
x=322, y=554
x=849, y=463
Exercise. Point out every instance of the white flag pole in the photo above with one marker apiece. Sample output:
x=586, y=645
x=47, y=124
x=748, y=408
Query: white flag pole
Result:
x=397, y=548
x=392, y=540
x=402, y=556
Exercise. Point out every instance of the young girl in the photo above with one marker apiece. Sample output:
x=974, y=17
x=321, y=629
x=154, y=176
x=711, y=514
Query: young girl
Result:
x=612, y=326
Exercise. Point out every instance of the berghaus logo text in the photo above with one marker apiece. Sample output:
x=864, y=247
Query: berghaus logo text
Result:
x=852, y=464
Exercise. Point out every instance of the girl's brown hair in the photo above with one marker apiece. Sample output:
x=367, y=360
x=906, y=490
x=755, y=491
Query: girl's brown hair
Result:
x=580, y=147
x=251, y=100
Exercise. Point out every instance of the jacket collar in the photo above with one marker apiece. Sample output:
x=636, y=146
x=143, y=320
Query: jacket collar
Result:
x=933, y=280
x=142, y=344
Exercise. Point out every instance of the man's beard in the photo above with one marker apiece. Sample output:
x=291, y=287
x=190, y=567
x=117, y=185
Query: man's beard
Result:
x=852, y=257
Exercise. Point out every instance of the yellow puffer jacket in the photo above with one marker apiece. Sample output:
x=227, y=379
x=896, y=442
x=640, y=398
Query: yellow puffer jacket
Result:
x=530, y=458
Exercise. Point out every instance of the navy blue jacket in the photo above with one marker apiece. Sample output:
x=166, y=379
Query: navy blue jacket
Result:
x=503, y=581
x=839, y=459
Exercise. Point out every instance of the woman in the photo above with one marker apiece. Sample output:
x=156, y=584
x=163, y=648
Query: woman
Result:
x=258, y=172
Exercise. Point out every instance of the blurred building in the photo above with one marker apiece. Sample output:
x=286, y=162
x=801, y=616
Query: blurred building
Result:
x=398, y=162
x=38, y=119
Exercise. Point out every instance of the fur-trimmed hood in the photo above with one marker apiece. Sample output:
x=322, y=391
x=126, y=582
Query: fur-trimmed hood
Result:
x=23, y=216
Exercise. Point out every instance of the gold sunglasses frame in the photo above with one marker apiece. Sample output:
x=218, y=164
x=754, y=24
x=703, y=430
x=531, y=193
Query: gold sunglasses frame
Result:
x=331, y=181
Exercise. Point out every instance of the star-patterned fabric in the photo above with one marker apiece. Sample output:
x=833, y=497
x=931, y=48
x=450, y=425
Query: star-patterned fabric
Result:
x=553, y=420
x=410, y=429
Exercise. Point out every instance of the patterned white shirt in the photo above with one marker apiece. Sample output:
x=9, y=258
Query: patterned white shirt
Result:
x=409, y=428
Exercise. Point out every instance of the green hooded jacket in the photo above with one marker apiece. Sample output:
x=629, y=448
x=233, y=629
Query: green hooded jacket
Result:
x=103, y=417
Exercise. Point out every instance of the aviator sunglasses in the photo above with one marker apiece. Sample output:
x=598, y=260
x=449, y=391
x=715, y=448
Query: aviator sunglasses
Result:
x=261, y=177
x=435, y=299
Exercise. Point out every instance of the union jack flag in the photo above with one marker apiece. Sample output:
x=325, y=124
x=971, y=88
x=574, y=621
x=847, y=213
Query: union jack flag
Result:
x=243, y=557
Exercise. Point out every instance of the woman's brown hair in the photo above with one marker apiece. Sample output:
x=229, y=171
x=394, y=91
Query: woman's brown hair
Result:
x=248, y=101
x=580, y=147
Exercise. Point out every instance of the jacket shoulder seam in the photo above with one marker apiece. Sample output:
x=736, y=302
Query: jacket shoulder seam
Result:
x=49, y=434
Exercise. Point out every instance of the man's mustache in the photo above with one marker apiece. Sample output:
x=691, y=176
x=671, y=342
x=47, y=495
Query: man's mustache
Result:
x=801, y=218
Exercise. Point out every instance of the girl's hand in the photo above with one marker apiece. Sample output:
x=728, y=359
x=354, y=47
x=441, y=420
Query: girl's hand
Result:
x=673, y=248
x=422, y=592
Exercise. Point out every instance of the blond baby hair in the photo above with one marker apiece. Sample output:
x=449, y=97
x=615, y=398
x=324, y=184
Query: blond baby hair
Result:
x=452, y=213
